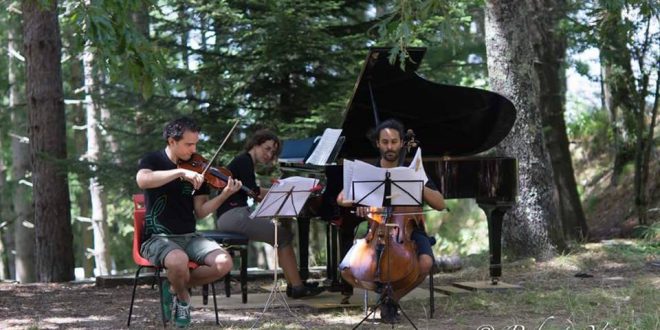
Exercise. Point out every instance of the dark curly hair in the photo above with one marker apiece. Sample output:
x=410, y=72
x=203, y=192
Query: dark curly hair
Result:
x=389, y=123
x=262, y=136
x=177, y=127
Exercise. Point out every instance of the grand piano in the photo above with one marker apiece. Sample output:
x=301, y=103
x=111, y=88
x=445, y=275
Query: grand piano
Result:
x=452, y=124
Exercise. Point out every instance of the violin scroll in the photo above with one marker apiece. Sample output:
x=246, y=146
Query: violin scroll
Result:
x=410, y=141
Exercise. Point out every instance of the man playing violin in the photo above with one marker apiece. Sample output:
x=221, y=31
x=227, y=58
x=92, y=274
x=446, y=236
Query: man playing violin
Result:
x=234, y=215
x=171, y=212
x=388, y=137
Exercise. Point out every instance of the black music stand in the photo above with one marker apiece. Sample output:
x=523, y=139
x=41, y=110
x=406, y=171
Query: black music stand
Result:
x=410, y=199
x=280, y=202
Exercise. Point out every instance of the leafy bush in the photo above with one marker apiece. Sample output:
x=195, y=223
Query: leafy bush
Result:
x=592, y=129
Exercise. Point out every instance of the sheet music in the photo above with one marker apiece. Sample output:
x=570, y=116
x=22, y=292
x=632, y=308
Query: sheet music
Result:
x=348, y=178
x=325, y=146
x=407, y=186
x=368, y=185
x=368, y=193
x=286, y=197
x=417, y=165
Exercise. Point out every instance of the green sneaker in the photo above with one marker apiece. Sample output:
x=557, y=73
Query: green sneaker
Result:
x=167, y=300
x=181, y=314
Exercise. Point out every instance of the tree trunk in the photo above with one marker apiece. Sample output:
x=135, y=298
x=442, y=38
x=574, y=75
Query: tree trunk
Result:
x=47, y=130
x=4, y=208
x=106, y=120
x=549, y=46
x=6, y=249
x=618, y=151
x=22, y=204
x=85, y=238
x=4, y=270
x=644, y=140
x=619, y=85
x=96, y=193
x=628, y=96
x=184, y=19
x=531, y=227
x=141, y=20
x=646, y=155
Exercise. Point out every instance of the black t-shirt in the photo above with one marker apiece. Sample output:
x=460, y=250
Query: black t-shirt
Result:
x=241, y=168
x=170, y=208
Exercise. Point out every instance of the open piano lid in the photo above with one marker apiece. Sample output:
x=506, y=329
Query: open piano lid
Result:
x=447, y=120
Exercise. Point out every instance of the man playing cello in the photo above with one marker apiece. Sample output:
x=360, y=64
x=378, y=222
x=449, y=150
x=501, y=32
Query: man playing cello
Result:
x=388, y=137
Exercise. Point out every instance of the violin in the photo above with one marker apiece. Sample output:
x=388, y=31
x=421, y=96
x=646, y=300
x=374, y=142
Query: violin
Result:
x=216, y=177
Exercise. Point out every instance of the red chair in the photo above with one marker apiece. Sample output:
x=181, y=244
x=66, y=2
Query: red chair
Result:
x=138, y=223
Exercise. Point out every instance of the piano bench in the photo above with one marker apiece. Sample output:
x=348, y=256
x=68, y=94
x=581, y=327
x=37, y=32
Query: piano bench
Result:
x=233, y=243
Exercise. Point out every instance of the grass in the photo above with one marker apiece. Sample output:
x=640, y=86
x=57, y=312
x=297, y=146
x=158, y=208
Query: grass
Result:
x=623, y=292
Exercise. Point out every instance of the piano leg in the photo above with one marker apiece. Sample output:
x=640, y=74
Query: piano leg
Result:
x=495, y=214
x=332, y=279
x=303, y=245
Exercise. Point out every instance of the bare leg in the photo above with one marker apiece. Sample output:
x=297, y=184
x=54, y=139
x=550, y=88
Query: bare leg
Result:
x=425, y=263
x=178, y=274
x=287, y=260
x=216, y=265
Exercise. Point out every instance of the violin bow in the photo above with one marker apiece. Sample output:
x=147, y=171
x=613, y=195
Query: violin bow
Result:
x=208, y=165
x=424, y=211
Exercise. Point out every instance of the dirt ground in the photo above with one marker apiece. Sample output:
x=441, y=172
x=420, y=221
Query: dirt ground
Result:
x=87, y=306
x=576, y=292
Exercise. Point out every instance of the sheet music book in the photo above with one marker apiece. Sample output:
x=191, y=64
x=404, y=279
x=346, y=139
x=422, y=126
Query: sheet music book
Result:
x=347, y=178
x=363, y=182
x=324, y=147
x=370, y=192
x=285, y=198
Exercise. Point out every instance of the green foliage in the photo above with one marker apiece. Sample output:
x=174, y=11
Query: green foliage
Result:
x=592, y=128
x=633, y=252
x=449, y=28
x=461, y=231
x=629, y=54
x=650, y=232
x=106, y=26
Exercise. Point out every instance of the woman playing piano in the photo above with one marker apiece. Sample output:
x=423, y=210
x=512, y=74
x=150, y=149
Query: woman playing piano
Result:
x=234, y=215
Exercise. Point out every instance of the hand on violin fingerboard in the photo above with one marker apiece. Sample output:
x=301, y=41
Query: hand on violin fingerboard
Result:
x=233, y=185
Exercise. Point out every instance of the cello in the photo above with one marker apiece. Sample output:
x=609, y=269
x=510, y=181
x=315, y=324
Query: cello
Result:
x=385, y=260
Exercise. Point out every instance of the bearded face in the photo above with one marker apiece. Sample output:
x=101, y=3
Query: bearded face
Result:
x=389, y=144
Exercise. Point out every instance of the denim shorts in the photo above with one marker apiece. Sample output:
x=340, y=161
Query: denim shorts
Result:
x=195, y=245
x=423, y=242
